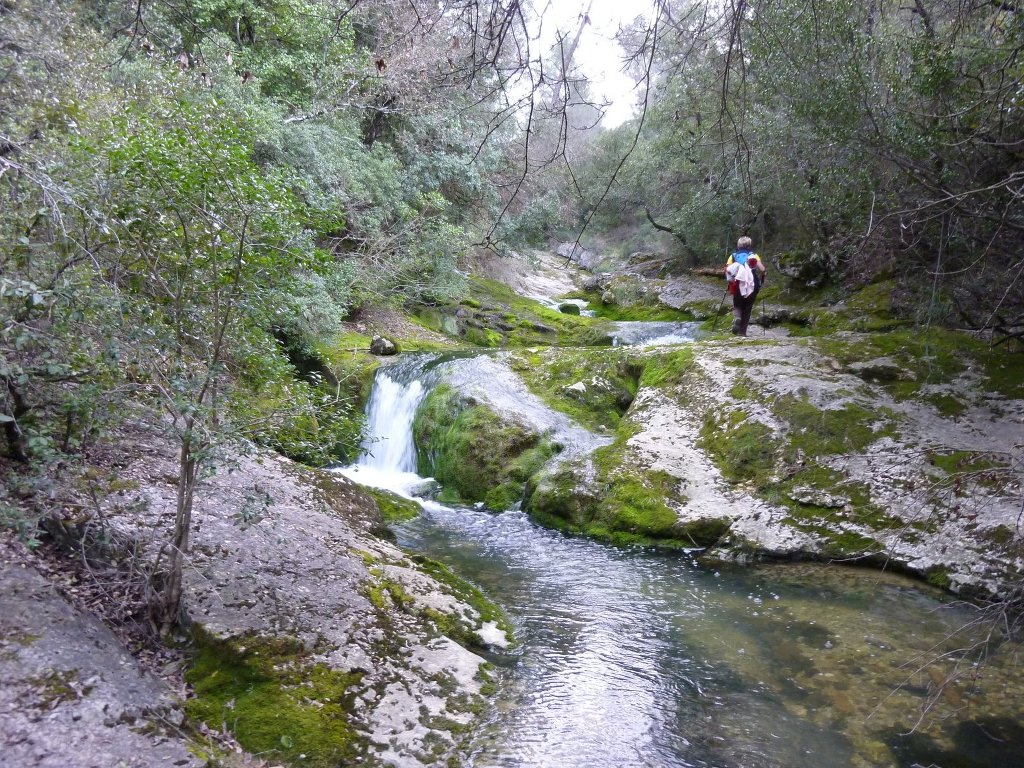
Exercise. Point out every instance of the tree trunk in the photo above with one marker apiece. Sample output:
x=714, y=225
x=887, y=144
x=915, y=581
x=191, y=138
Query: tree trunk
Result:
x=187, y=473
x=16, y=447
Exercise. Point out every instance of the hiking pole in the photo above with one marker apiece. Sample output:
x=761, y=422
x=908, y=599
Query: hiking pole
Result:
x=764, y=323
x=714, y=325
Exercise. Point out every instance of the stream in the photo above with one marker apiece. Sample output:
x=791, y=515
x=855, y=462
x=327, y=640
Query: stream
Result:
x=630, y=657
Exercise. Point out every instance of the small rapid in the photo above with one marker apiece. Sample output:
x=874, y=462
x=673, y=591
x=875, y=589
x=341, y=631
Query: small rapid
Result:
x=629, y=657
x=652, y=334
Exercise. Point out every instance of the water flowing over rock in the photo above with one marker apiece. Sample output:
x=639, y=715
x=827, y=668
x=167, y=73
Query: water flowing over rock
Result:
x=490, y=380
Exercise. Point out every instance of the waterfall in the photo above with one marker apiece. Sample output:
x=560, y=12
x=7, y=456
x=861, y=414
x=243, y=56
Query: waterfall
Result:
x=388, y=453
x=389, y=445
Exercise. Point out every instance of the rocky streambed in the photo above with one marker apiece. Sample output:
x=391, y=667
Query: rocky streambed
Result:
x=778, y=448
x=316, y=640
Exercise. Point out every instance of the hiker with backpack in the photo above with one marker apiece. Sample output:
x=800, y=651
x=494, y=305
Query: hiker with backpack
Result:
x=745, y=273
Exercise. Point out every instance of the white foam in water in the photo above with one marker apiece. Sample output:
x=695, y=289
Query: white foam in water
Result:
x=388, y=458
x=652, y=334
x=555, y=304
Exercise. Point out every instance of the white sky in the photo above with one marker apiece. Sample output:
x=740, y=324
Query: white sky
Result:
x=598, y=55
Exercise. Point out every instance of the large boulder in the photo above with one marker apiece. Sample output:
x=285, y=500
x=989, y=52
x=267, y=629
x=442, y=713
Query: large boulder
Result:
x=812, y=268
x=383, y=347
x=476, y=453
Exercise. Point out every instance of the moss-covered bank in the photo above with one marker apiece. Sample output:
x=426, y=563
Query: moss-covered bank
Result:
x=610, y=495
x=494, y=315
x=263, y=691
x=476, y=454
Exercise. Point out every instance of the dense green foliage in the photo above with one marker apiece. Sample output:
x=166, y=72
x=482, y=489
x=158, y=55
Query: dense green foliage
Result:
x=849, y=139
x=196, y=195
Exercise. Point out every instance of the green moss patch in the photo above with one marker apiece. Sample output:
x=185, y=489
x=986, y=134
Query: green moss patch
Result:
x=56, y=687
x=635, y=312
x=474, y=453
x=744, y=450
x=932, y=357
x=1001, y=535
x=666, y=369
x=961, y=462
x=348, y=356
x=454, y=626
x=394, y=508
x=939, y=577
x=386, y=594
x=496, y=316
x=609, y=378
x=819, y=432
x=635, y=506
x=265, y=692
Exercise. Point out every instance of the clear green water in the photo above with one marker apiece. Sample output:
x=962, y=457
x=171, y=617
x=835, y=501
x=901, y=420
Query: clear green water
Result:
x=633, y=658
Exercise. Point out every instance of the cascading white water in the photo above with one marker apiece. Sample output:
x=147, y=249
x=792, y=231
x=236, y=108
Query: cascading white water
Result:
x=389, y=444
x=388, y=453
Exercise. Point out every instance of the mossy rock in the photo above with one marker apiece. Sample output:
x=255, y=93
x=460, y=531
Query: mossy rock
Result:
x=635, y=505
x=274, y=700
x=615, y=501
x=608, y=378
x=455, y=625
x=822, y=431
x=393, y=508
x=474, y=452
x=556, y=498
